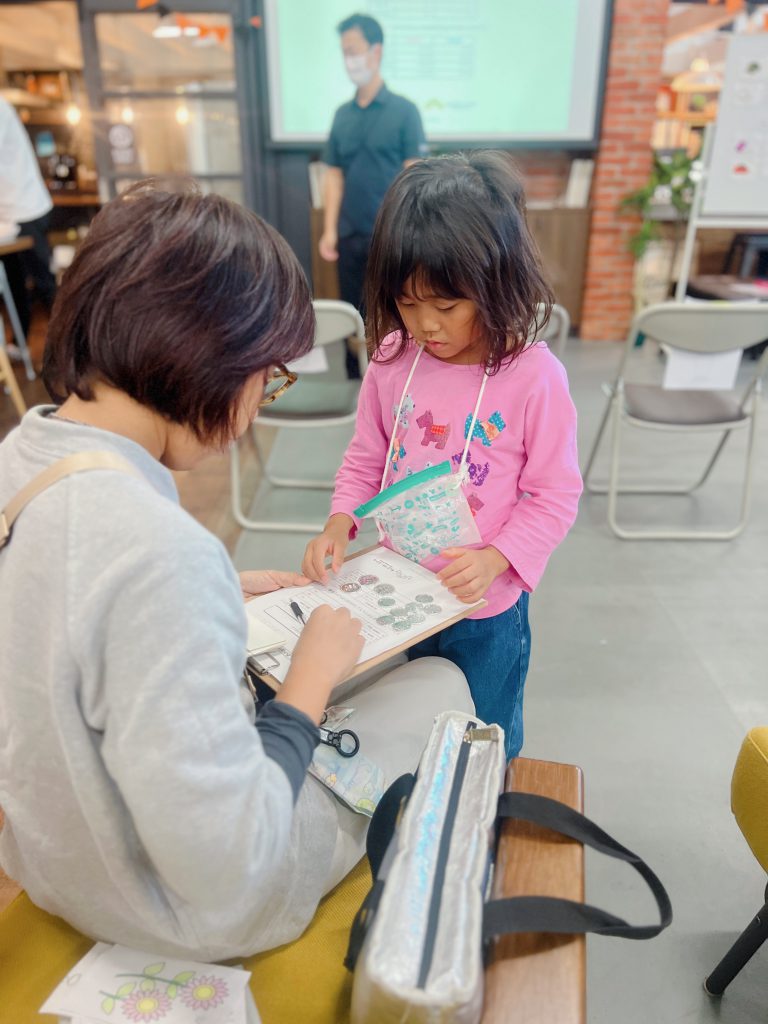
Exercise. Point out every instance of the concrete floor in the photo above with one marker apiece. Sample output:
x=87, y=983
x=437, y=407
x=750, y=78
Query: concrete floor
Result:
x=650, y=662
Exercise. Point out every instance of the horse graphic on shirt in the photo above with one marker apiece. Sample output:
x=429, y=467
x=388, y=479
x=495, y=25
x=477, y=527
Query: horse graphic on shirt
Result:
x=434, y=433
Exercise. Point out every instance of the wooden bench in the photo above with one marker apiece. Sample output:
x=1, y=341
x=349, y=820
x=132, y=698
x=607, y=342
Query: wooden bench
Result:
x=532, y=979
x=536, y=978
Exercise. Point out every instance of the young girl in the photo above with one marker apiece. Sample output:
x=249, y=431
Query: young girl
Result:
x=453, y=291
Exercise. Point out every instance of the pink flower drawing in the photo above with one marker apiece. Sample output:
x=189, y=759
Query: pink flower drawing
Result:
x=144, y=1006
x=204, y=992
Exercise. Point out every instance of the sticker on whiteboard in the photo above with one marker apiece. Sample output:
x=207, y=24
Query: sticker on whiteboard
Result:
x=754, y=67
x=741, y=169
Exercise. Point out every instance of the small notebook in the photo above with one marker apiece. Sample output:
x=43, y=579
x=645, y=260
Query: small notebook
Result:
x=262, y=638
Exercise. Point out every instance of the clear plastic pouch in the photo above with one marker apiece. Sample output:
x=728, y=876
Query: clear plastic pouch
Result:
x=424, y=513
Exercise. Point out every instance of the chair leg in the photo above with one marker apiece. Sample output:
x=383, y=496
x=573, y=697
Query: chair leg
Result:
x=260, y=525
x=613, y=490
x=593, y=453
x=743, y=949
x=7, y=375
x=13, y=316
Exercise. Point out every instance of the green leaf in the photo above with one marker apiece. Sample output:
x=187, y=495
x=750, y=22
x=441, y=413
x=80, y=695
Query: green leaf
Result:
x=107, y=1005
x=154, y=968
x=172, y=991
x=126, y=989
x=184, y=977
x=147, y=985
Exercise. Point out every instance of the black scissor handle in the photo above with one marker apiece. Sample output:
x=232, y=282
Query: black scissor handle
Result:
x=335, y=740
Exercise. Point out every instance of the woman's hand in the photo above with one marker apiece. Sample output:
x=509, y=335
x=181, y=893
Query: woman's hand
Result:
x=332, y=542
x=328, y=649
x=472, y=571
x=264, y=581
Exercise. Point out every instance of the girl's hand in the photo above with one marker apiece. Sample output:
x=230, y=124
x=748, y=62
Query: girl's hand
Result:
x=328, y=649
x=264, y=581
x=332, y=542
x=471, y=571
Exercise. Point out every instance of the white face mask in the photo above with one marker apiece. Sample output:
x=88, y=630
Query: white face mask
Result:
x=358, y=70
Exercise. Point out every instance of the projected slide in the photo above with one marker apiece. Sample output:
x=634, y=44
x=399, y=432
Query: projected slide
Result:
x=485, y=70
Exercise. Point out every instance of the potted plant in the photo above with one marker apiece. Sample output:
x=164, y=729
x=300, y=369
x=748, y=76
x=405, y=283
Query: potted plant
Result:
x=665, y=198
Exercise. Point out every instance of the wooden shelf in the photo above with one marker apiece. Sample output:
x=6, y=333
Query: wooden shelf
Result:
x=695, y=120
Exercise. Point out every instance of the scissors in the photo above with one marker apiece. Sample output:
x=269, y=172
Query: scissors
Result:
x=345, y=741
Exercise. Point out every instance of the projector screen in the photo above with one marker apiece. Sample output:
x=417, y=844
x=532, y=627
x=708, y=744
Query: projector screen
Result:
x=485, y=71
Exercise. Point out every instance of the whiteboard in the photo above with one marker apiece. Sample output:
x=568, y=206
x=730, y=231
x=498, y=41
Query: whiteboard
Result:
x=737, y=181
x=486, y=71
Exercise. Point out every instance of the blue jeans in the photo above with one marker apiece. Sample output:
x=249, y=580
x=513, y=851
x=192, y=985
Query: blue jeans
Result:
x=493, y=654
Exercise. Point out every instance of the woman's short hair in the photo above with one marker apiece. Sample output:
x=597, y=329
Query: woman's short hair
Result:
x=177, y=299
x=455, y=226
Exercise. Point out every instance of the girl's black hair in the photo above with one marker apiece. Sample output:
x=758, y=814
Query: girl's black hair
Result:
x=455, y=225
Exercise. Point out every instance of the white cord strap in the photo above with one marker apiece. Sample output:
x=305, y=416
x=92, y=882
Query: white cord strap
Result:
x=464, y=463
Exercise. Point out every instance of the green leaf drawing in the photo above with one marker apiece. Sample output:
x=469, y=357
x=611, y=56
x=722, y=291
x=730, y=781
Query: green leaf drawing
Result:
x=172, y=991
x=184, y=976
x=107, y=1005
x=148, y=985
x=126, y=989
x=154, y=968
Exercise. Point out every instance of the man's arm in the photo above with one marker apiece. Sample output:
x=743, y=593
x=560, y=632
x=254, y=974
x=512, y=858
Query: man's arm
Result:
x=333, y=190
x=415, y=145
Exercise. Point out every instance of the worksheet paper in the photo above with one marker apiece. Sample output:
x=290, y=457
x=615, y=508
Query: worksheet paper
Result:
x=395, y=599
x=695, y=371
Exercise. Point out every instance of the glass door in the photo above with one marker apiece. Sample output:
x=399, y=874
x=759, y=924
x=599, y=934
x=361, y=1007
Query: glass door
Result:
x=168, y=86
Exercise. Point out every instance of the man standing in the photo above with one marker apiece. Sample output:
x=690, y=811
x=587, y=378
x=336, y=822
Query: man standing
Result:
x=372, y=138
x=24, y=200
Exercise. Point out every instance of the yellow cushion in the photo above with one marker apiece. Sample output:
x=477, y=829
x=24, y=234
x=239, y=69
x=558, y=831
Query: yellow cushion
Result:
x=749, y=792
x=304, y=981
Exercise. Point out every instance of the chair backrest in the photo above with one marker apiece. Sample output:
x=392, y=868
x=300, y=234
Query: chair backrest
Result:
x=703, y=327
x=337, y=320
x=557, y=329
x=706, y=328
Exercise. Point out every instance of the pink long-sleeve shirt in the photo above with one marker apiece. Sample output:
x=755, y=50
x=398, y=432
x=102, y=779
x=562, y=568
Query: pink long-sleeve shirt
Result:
x=524, y=481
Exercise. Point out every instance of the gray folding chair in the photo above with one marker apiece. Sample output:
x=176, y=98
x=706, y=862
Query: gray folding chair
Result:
x=556, y=332
x=708, y=329
x=315, y=401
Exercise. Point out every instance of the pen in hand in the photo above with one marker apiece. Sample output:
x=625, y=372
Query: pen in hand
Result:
x=298, y=613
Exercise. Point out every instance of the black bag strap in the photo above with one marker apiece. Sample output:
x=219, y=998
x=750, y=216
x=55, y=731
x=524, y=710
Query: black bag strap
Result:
x=381, y=832
x=550, y=914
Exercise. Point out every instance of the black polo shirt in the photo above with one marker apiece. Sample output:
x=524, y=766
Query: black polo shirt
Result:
x=369, y=144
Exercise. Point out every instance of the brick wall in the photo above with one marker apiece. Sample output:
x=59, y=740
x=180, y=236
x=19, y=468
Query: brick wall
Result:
x=544, y=173
x=623, y=162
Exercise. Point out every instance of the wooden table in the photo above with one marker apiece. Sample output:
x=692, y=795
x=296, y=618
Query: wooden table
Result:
x=76, y=199
x=537, y=978
x=17, y=245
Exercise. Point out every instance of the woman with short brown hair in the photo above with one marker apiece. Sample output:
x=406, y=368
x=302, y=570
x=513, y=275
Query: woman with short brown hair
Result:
x=141, y=804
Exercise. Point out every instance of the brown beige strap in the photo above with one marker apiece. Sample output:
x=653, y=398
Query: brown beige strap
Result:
x=57, y=471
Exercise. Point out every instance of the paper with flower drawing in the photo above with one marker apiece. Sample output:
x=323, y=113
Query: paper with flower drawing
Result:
x=398, y=602
x=117, y=985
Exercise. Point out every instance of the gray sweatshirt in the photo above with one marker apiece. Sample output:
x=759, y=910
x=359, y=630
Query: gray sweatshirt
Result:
x=141, y=805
